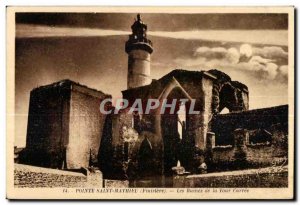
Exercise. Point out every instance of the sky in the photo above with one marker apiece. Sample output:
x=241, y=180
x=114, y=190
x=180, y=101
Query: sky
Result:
x=89, y=48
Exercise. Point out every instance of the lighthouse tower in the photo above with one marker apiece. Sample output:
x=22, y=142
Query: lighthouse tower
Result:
x=139, y=49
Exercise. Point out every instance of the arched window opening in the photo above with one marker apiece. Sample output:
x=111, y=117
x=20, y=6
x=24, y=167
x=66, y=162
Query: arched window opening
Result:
x=227, y=98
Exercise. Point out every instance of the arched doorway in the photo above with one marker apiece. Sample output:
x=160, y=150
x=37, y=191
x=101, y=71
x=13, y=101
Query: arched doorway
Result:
x=228, y=99
x=173, y=125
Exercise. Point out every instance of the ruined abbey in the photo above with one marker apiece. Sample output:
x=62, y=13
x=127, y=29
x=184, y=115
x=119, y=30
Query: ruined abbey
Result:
x=66, y=130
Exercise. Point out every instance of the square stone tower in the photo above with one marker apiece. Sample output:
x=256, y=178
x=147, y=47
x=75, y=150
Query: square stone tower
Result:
x=64, y=126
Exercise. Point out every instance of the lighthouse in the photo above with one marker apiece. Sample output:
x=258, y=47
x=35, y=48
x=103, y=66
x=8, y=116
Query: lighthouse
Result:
x=139, y=50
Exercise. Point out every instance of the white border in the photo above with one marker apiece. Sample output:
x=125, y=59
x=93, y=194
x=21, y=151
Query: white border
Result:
x=4, y=3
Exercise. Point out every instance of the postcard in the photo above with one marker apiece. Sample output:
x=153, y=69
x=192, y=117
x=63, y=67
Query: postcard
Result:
x=150, y=103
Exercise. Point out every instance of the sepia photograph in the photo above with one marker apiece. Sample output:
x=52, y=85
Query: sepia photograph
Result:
x=150, y=103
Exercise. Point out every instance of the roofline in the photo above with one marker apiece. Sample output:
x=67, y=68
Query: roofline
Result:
x=65, y=82
x=206, y=74
x=254, y=110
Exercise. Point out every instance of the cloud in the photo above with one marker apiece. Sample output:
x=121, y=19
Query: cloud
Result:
x=38, y=31
x=272, y=37
x=270, y=52
x=212, y=57
x=262, y=70
x=283, y=70
x=258, y=60
x=233, y=55
x=218, y=52
x=275, y=37
x=259, y=66
x=216, y=55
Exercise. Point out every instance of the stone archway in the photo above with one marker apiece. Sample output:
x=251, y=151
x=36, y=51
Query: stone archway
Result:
x=228, y=98
x=166, y=125
x=165, y=93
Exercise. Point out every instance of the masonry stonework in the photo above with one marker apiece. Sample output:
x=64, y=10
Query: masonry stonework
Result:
x=85, y=128
x=37, y=177
x=64, y=126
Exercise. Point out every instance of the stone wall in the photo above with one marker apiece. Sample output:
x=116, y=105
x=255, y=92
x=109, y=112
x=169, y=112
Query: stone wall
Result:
x=85, y=128
x=271, y=177
x=242, y=154
x=30, y=176
x=64, y=126
x=223, y=125
x=116, y=183
x=47, y=126
x=206, y=113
